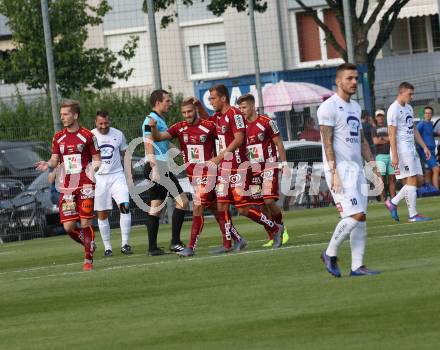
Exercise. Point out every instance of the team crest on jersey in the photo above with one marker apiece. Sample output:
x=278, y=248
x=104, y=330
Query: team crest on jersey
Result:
x=239, y=121
x=224, y=128
x=80, y=147
x=260, y=136
x=62, y=148
x=274, y=126
x=202, y=138
x=353, y=124
x=185, y=138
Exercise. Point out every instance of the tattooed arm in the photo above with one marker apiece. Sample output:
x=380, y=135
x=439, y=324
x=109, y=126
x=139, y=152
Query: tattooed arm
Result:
x=327, y=141
x=365, y=148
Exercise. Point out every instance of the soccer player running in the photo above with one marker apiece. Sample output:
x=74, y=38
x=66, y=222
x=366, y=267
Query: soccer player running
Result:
x=263, y=140
x=196, y=137
x=344, y=145
x=404, y=158
x=76, y=150
x=111, y=182
x=164, y=181
x=235, y=175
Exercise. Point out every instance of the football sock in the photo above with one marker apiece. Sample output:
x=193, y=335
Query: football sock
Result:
x=400, y=195
x=225, y=225
x=411, y=198
x=125, y=224
x=77, y=236
x=104, y=230
x=357, y=243
x=88, y=241
x=176, y=227
x=196, y=229
x=278, y=218
x=152, y=229
x=260, y=218
x=341, y=233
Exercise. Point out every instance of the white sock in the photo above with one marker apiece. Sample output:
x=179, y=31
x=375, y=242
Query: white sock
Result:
x=104, y=230
x=125, y=224
x=342, y=231
x=357, y=243
x=411, y=198
x=399, y=196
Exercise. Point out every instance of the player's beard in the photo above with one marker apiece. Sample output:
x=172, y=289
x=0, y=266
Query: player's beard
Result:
x=104, y=131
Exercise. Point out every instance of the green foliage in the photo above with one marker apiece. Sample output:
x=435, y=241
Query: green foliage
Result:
x=77, y=68
x=33, y=120
x=217, y=7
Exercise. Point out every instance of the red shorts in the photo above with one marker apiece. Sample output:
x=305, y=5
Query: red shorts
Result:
x=270, y=187
x=233, y=186
x=77, y=204
x=204, y=190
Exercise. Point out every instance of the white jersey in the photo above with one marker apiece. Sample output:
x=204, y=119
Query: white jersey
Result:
x=110, y=145
x=345, y=118
x=402, y=117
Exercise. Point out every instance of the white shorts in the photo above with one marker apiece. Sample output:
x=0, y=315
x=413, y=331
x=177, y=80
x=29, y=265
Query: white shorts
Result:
x=353, y=199
x=409, y=165
x=110, y=186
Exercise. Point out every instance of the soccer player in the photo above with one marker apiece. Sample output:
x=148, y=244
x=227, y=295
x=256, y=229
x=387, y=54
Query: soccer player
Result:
x=235, y=176
x=197, y=142
x=164, y=181
x=76, y=150
x=404, y=158
x=426, y=130
x=383, y=158
x=344, y=145
x=263, y=140
x=111, y=182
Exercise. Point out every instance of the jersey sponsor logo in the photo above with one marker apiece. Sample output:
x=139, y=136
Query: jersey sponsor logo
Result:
x=239, y=121
x=236, y=178
x=353, y=124
x=256, y=180
x=255, y=153
x=268, y=174
x=274, y=126
x=87, y=192
x=195, y=154
x=87, y=206
x=106, y=151
x=68, y=197
x=220, y=189
x=72, y=163
x=409, y=122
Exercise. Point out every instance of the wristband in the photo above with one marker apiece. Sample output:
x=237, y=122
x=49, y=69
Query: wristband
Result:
x=284, y=164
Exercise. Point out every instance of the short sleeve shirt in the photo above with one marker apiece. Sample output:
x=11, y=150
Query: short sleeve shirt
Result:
x=402, y=117
x=110, y=146
x=160, y=147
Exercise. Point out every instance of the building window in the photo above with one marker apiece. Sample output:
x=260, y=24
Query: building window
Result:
x=415, y=35
x=312, y=46
x=208, y=60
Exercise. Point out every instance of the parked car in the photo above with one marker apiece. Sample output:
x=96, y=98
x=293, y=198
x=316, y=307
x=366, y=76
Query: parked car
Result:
x=10, y=188
x=17, y=159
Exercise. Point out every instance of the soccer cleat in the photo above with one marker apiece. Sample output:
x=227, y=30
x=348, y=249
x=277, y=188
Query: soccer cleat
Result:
x=268, y=244
x=108, y=253
x=221, y=250
x=392, y=209
x=239, y=245
x=88, y=265
x=156, y=252
x=278, y=237
x=363, y=271
x=126, y=249
x=177, y=247
x=331, y=264
x=418, y=217
x=186, y=252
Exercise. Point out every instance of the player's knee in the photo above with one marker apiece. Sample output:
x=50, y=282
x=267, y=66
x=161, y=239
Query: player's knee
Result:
x=124, y=208
x=243, y=211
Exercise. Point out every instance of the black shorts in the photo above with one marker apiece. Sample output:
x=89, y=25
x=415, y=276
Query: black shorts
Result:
x=167, y=185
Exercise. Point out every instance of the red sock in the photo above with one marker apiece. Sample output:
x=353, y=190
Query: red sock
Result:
x=77, y=236
x=278, y=218
x=89, y=234
x=260, y=218
x=196, y=230
x=225, y=226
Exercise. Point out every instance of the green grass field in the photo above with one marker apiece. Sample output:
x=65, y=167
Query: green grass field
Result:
x=256, y=299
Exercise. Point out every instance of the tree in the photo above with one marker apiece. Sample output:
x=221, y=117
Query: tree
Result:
x=217, y=7
x=77, y=68
x=362, y=22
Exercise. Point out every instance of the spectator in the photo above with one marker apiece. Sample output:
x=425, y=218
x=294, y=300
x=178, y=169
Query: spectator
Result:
x=426, y=130
x=367, y=126
x=310, y=133
x=383, y=160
